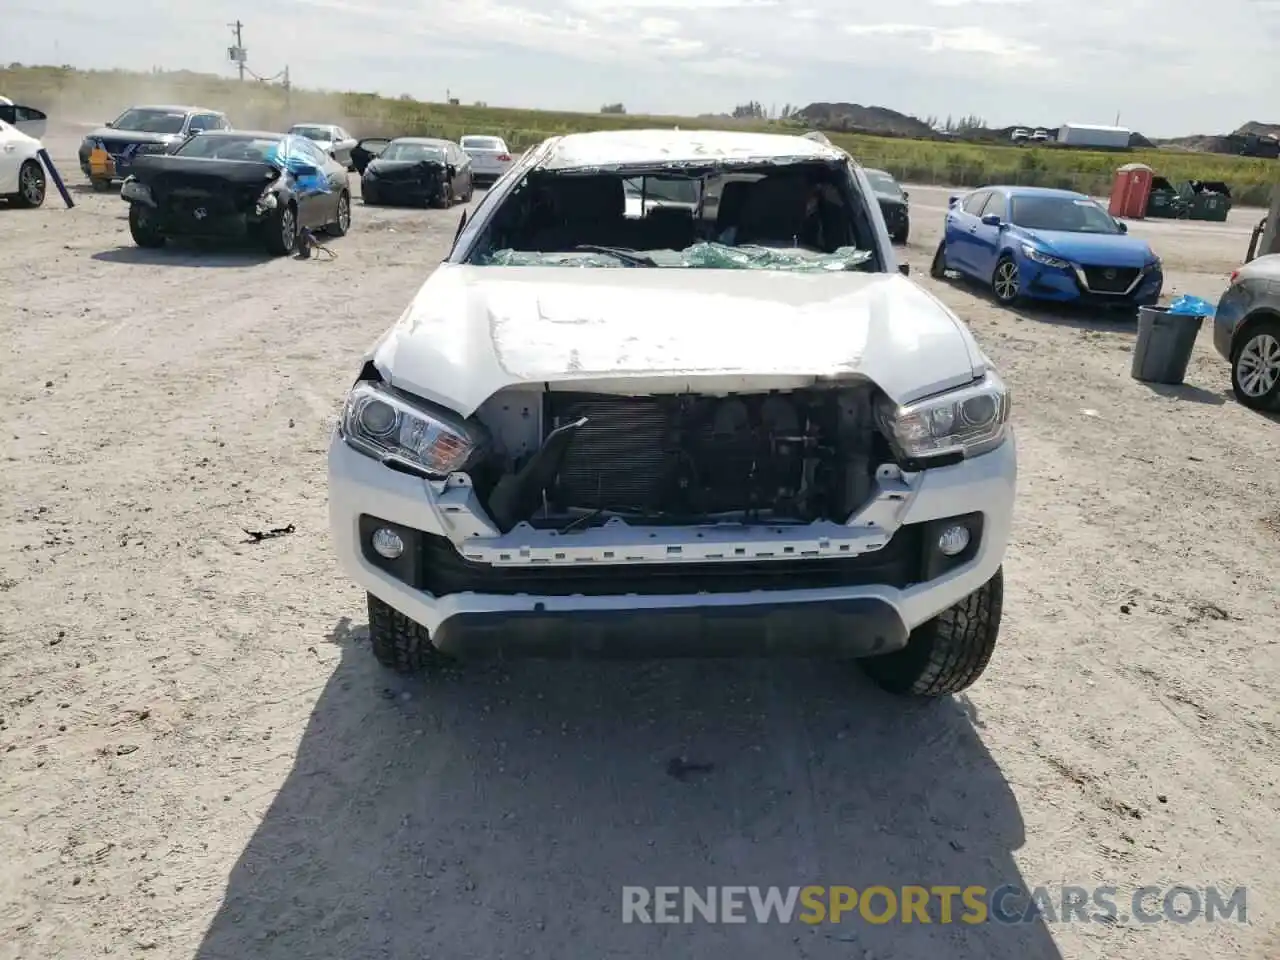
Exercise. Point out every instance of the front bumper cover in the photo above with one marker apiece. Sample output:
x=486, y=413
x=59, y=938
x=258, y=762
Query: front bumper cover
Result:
x=361, y=488
x=1069, y=285
x=844, y=628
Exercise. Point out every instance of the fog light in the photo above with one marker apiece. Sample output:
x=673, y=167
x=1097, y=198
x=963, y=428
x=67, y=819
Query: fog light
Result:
x=387, y=543
x=953, y=540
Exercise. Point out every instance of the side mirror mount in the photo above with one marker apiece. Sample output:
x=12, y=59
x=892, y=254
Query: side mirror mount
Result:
x=905, y=195
x=451, y=170
x=904, y=269
x=108, y=123
x=1122, y=226
x=991, y=219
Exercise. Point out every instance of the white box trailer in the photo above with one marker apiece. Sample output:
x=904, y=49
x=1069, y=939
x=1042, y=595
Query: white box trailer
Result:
x=1090, y=135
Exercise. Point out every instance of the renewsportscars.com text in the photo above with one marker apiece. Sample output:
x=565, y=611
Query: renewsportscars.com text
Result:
x=933, y=904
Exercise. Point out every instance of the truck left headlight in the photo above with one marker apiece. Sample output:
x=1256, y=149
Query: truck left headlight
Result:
x=388, y=426
x=959, y=423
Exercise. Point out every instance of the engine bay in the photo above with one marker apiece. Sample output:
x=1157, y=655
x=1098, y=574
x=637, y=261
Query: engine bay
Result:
x=568, y=460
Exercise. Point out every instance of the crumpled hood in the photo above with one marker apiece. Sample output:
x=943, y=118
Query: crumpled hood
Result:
x=471, y=331
x=133, y=136
x=1101, y=249
x=404, y=168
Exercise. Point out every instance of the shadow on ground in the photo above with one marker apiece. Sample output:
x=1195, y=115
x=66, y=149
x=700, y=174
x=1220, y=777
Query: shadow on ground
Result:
x=1080, y=317
x=186, y=254
x=1075, y=316
x=500, y=812
x=1186, y=391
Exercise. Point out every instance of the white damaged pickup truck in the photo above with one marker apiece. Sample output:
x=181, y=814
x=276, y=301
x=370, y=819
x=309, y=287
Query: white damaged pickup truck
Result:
x=617, y=430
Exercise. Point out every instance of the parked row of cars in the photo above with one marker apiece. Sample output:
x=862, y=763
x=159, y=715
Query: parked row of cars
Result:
x=186, y=170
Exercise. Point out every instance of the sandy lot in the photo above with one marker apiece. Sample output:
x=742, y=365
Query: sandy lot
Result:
x=200, y=759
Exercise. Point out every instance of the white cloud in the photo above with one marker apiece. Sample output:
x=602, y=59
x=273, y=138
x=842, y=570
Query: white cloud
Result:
x=992, y=47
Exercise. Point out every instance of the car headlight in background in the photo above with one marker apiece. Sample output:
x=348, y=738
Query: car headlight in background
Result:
x=959, y=423
x=389, y=427
x=1043, y=259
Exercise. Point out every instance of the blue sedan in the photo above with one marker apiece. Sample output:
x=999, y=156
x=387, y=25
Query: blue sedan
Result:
x=1047, y=245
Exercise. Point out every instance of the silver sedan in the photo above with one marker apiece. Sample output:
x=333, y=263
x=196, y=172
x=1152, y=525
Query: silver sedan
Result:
x=1246, y=332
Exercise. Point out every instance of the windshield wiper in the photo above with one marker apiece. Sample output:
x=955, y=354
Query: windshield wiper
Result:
x=625, y=254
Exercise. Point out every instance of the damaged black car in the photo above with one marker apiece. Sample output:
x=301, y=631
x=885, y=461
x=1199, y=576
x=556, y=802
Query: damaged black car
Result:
x=417, y=171
x=260, y=186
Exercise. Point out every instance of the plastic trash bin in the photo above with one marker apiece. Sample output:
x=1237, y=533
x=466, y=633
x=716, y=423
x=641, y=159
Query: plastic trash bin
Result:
x=1163, y=346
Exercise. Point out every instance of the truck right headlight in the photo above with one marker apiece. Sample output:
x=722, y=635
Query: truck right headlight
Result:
x=965, y=422
x=386, y=425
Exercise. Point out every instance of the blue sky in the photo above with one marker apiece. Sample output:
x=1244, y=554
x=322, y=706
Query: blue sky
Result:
x=1167, y=66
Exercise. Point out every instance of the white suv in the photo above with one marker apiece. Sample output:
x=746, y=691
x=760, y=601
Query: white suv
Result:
x=639, y=432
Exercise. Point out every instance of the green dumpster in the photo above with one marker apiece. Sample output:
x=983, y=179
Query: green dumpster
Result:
x=1206, y=199
x=1164, y=200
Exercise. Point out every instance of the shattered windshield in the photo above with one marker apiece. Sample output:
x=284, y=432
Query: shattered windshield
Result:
x=714, y=255
x=150, y=121
x=785, y=216
x=319, y=134
x=413, y=152
x=1069, y=214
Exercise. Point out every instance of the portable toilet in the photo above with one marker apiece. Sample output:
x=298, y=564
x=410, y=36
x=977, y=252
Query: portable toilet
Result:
x=1130, y=191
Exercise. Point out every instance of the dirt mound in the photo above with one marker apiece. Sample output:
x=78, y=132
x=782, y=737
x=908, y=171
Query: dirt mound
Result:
x=855, y=117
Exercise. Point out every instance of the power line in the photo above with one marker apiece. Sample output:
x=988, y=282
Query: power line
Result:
x=240, y=57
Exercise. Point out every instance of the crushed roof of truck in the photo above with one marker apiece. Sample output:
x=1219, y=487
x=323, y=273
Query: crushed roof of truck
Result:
x=622, y=148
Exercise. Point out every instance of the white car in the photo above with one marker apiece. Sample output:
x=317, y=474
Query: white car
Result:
x=615, y=436
x=329, y=137
x=490, y=158
x=23, y=181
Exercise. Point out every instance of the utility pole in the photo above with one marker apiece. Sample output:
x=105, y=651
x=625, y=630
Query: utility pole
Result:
x=287, y=87
x=237, y=27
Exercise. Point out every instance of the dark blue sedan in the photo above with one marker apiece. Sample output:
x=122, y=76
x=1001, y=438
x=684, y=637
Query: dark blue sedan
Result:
x=1047, y=245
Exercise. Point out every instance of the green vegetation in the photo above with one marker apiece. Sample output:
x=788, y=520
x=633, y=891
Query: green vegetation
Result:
x=78, y=95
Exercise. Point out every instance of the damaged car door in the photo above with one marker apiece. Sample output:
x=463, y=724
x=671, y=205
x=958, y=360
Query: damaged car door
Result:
x=313, y=183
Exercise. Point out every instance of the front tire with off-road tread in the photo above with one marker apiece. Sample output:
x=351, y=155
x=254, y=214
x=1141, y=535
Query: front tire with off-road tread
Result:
x=948, y=653
x=400, y=644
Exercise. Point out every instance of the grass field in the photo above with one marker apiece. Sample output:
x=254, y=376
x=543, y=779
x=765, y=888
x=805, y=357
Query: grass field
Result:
x=76, y=95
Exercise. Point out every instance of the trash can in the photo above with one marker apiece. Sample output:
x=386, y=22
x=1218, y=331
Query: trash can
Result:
x=1163, y=346
x=1206, y=200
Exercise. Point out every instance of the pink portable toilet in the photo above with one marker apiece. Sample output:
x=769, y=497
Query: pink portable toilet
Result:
x=1130, y=191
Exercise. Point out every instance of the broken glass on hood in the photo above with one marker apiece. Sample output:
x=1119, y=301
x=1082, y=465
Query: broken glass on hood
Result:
x=704, y=255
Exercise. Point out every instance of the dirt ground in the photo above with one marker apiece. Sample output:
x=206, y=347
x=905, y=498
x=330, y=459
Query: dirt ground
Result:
x=200, y=759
